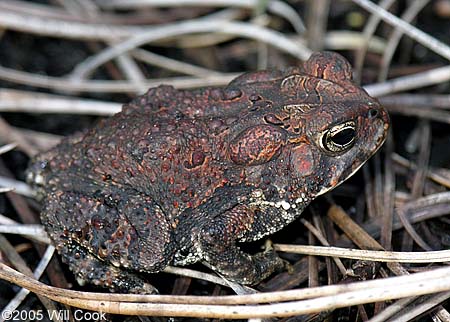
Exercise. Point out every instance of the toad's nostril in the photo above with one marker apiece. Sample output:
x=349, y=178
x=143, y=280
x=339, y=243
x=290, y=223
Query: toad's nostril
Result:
x=373, y=113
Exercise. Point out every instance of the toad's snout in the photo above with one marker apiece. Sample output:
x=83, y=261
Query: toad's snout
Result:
x=381, y=121
x=377, y=125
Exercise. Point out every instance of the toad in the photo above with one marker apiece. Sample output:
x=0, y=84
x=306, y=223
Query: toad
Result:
x=182, y=176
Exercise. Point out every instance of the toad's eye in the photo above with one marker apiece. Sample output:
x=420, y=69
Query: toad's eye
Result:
x=338, y=138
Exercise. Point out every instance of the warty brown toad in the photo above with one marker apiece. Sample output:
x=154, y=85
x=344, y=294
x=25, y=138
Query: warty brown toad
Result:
x=182, y=176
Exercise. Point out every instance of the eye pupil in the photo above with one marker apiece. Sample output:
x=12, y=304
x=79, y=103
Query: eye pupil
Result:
x=343, y=137
x=373, y=113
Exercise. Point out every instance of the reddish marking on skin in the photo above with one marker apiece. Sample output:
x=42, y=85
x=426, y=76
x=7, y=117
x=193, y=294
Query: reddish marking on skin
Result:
x=197, y=159
x=256, y=145
x=302, y=160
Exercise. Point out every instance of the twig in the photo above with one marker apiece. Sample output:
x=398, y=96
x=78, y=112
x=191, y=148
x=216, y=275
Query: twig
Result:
x=395, y=37
x=200, y=40
x=53, y=12
x=419, y=112
x=126, y=64
x=19, y=263
x=425, y=141
x=317, y=20
x=351, y=40
x=7, y=221
x=388, y=194
x=440, y=256
x=428, y=101
x=88, y=31
x=172, y=64
x=420, y=308
x=275, y=6
x=53, y=27
x=392, y=310
x=40, y=236
x=63, y=84
x=19, y=186
x=196, y=274
x=40, y=140
x=419, y=181
x=358, y=235
x=7, y=134
x=44, y=11
x=40, y=268
x=424, y=208
x=411, y=231
x=414, y=33
x=418, y=80
x=369, y=30
x=193, y=26
x=390, y=288
x=317, y=233
x=34, y=230
x=7, y=147
x=438, y=175
x=87, y=7
x=31, y=102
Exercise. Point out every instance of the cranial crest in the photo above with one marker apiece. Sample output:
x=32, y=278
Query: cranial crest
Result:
x=292, y=82
x=295, y=109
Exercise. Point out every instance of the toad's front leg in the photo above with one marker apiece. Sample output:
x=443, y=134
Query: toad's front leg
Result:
x=219, y=250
